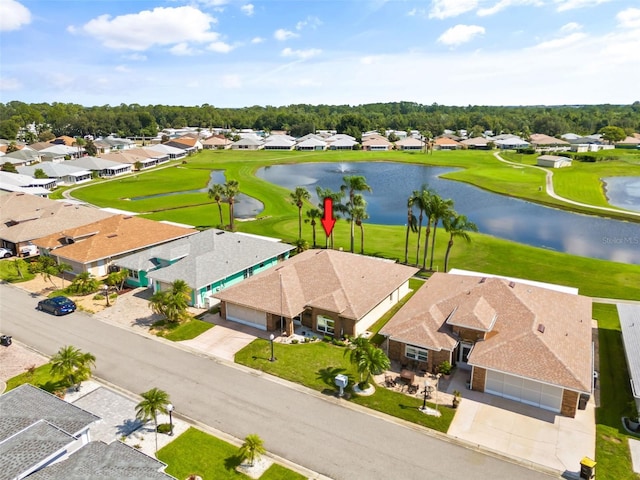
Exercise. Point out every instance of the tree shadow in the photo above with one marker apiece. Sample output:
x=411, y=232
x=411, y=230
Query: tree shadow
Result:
x=53, y=386
x=128, y=426
x=231, y=463
x=328, y=375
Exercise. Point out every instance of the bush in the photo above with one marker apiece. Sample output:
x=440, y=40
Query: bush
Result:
x=164, y=428
x=327, y=339
x=527, y=151
x=339, y=343
x=295, y=341
x=445, y=368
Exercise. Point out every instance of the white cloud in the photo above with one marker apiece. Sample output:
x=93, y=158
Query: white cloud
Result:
x=282, y=34
x=9, y=84
x=231, y=81
x=136, y=57
x=369, y=60
x=311, y=22
x=140, y=31
x=301, y=54
x=220, y=47
x=564, y=5
x=561, y=42
x=13, y=15
x=629, y=18
x=182, y=49
x=123, y=69
x=247, y=9
x=503, y=4
x=451, y=8
x=570, y=27
x=256, y=40
x=460, y=34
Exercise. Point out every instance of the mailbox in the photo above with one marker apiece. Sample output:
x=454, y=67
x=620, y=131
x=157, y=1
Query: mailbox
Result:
x=341, y=381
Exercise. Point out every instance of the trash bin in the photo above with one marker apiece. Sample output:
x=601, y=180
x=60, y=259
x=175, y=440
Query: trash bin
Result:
x=587, y=468
x=5, y=340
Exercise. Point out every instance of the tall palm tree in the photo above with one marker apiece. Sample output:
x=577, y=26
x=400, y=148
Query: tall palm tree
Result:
x=298, y=196
x=62, y=268
x=72, y=364
x=337, y=206
x=252, y=448
x=457, y=226
x=360, y=214
x=313, y=214
x=216, y=192
x=172, y=303
x=231, y=189
x=153, y=401
x=422, y=199
x=353, y=184
x=301, y=245
x=439, y=209
x=411, y=226
x=367, y=358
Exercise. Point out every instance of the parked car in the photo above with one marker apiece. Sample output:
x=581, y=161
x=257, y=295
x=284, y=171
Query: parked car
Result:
x=5, y=253
x=57, y=305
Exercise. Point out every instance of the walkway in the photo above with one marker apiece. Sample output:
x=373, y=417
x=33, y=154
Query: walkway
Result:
x=550, y=191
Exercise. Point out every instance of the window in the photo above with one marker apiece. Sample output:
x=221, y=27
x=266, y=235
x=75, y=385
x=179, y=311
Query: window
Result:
x=326, y=325
x=134, y=274
x=416, y=353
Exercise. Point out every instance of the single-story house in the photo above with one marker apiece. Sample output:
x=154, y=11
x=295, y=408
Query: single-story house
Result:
x=542, y=142
x=410, y=144
x=63, y=150
x=520, y=341
x=279, y=142
x=62, y=173
x=510, y=142
x=144, y=160
x=553, y=161
x=94, y=247
x=184, y=144
x=375, y=142
x=116, y=143
x=101, y=166
x=446, y=143
x=630, y=325
x=16, y=182
x=208, y=262
x=311, y=144
x=23, y=157
x=331, y=292
x=217, y=142
x=477, y=143
x=248, y=143
x=173, y=152
x=631, y=141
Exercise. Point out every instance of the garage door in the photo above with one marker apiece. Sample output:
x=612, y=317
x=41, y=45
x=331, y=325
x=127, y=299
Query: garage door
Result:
x=247, y=316
x=524, y=390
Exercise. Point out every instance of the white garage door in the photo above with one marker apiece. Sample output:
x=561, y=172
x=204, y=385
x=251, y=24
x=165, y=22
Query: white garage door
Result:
x=524, y=390
x=247, y=316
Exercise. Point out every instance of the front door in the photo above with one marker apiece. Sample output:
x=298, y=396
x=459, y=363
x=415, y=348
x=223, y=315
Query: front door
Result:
x=464, y=349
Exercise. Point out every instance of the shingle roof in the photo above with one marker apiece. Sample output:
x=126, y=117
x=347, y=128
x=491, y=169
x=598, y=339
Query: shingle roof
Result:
x=95, y=163
x=344, y=283
x=54, y=170
x=630, y=325
x=542, y=139
x=558, y=353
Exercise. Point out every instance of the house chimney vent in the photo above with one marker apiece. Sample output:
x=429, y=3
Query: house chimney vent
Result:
x=541, y=328
x=512, y=284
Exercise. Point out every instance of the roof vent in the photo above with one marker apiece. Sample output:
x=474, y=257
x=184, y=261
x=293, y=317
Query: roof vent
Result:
x=219, y=233
x=112, y=235
x=483, y=279
x=541, y=328
x=512, y=284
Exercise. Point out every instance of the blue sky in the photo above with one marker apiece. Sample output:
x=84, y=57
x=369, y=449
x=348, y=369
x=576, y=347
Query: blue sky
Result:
x=230, y=53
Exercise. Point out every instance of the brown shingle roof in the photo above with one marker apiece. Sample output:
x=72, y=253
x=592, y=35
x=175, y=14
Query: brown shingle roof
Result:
x=116, y=235
x=559, y=353
x=348, y=284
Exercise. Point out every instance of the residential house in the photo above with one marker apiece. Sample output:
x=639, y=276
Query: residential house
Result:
x=376, y=143
x=279, y=142
x=341, y=141
x=527, y=342
x=208, y=262
x=174, y=153
x=630, y=325
x=545, y=143
x=477, y=143
x=331, y=292
x=101, y=166
x=139, y=160
x=64, y=151
x=218, y=142
x=117, y=143
x=25, y=217
x=94, y=247
x=64, y=140
x=311, y=144
x=188, y=144
x=631, y=141
x=62, y=173
x=15, y=182
x=410, y=144
x=510, y=142
x=553, y=161
x=248, y=143
x=446, y=143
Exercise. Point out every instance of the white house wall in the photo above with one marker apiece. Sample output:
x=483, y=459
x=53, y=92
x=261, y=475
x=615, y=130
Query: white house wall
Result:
x=383, y=307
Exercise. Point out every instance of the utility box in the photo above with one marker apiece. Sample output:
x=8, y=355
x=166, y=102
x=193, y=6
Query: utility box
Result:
x=587, y=468
x=341, y=381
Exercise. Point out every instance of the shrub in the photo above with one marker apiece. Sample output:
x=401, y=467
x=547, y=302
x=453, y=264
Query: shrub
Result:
x=164, y=428
x=527, y=151
x=445, y=368
x=327, y=338
x=295, y=341
x=339, y=343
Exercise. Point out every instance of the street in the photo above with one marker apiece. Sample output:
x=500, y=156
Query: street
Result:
x=309, y=429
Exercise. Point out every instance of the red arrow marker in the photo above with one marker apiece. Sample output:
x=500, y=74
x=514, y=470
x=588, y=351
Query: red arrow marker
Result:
x=327, y=220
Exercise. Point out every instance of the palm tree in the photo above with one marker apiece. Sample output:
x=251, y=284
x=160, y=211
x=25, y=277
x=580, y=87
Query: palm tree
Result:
x=457, y=226
x=359, y=213
x=313, y=214
x=62, y=268
x=367, y=358
x=353, y=184
x=231, y=189
x=337, y=206
x=411, y=226
x=439, y=209
x=217, y=192
x=252, y=448
x=301, y=245
x=172, y=303
x=153, y=401
x=298, y=196
x=422, y=199
x=72, y=364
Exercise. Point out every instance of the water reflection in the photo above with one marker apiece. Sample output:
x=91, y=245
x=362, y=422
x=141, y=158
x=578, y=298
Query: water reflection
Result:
x=496, y=215
x=623, y=192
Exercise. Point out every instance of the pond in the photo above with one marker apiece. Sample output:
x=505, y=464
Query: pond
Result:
x=623, y=192
x=496, y=215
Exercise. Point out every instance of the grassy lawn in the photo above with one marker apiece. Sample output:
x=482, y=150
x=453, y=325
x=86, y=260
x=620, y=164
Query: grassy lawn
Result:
x=9, y=270
x=612, y=450
x=183, y=331
x=195, y=452
x=316, y=364
x=41, y=377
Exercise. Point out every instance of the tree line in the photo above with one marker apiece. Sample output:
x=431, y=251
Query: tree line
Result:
x=138, y=121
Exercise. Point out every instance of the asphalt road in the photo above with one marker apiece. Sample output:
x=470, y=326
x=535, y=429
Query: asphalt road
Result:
x=309, y=429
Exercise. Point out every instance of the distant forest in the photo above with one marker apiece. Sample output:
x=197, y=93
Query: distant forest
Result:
x=136, y=120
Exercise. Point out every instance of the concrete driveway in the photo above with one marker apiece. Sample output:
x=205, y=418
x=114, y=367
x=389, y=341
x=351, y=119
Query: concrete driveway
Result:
x=516, y=430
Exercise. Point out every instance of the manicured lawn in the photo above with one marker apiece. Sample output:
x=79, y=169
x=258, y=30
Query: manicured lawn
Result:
x=195, y=452
x=40, y=378
x=184, y=331
x=316, y=364
x=612, y=450
x=9, y=271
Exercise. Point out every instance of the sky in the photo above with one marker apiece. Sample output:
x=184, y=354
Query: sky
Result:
x=239, y=53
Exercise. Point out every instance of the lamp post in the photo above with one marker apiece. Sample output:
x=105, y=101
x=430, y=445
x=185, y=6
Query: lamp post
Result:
x=170, y=409
x=436, y=393
x=271, y=339
x=425, y=392
x=105, y=289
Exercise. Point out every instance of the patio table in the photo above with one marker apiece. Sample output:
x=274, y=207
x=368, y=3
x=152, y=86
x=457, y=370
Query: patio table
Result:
x=407, y=376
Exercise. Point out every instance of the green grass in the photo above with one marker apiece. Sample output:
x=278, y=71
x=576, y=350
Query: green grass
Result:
x=612, y=450
x=9, y=271
x=315, y=366
x=183, y=331
x=195, y=452
x=40, y=378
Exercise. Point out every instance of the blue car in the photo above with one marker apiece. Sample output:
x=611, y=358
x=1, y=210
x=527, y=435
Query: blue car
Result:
x=57, y=305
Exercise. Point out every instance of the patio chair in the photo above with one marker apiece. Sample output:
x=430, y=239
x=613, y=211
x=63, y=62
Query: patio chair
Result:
x=413, y=388
x=389, y=381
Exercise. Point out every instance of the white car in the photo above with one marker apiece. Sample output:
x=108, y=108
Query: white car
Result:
x=5, y=253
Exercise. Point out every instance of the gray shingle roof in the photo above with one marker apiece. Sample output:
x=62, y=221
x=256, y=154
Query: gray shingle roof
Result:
x=630, y=324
